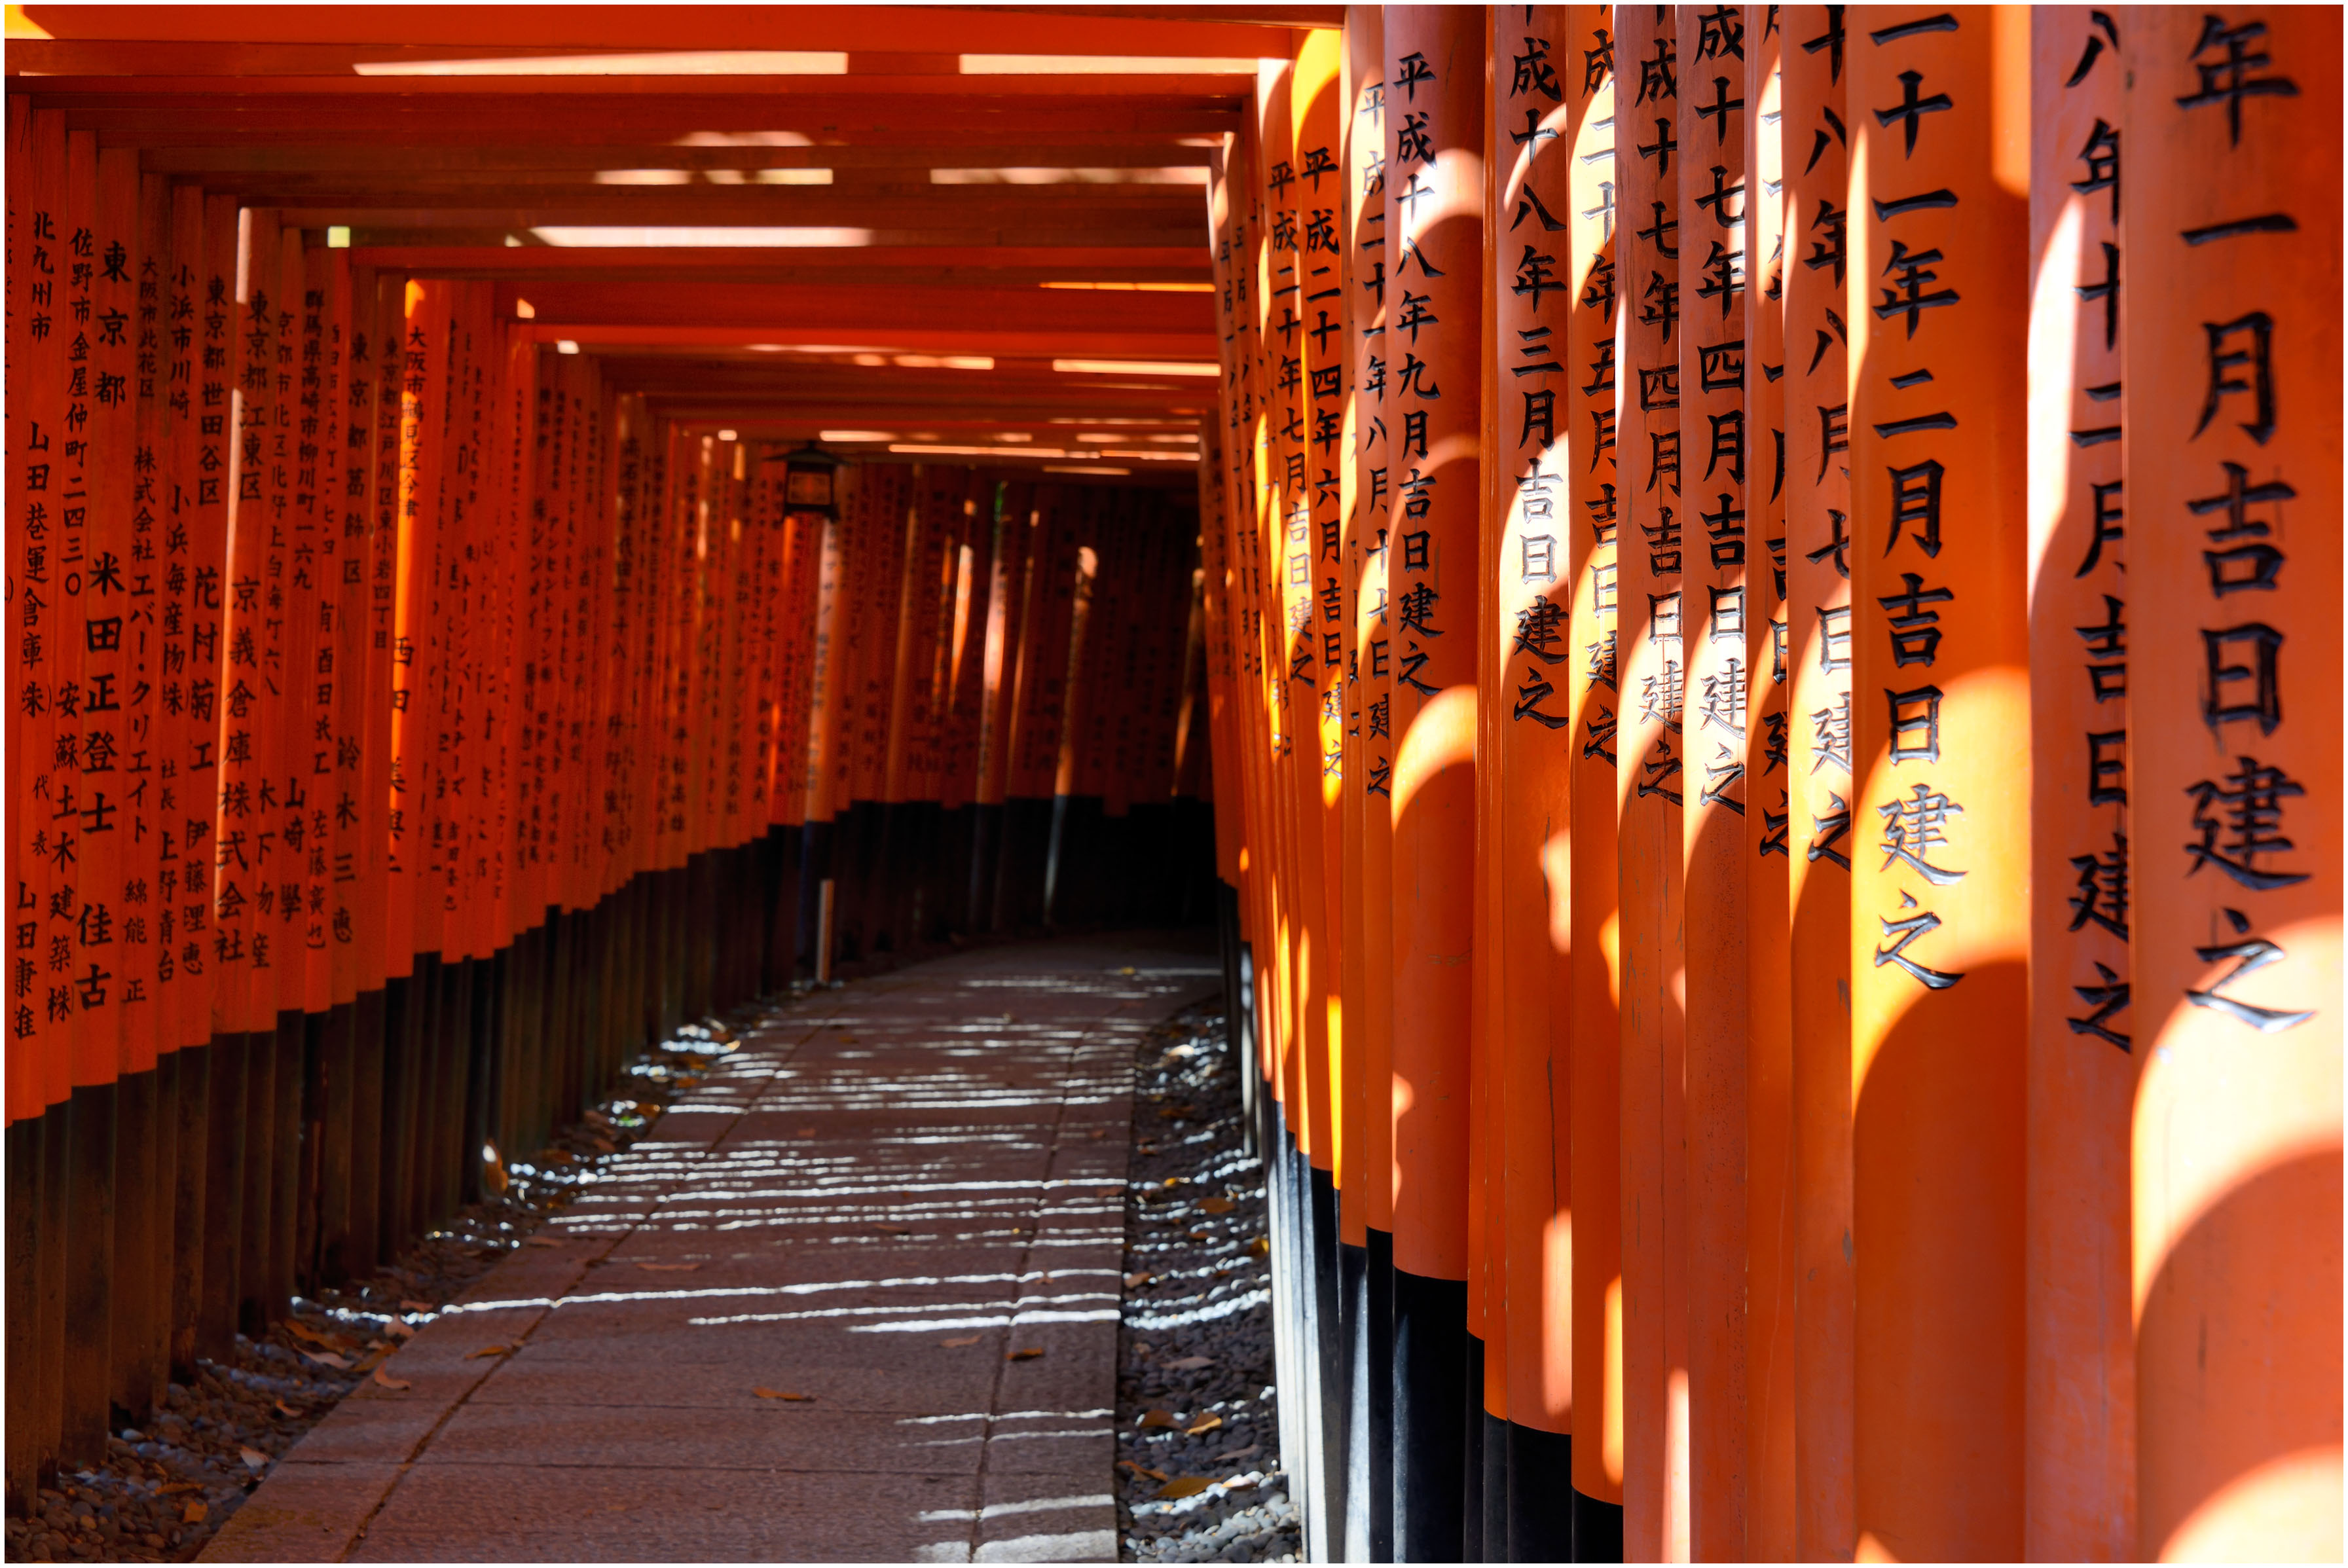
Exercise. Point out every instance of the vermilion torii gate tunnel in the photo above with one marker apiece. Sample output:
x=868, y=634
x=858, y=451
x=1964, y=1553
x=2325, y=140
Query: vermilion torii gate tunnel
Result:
x=1734, y=608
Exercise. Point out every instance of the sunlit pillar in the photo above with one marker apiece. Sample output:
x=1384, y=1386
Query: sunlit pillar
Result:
x=1651, y=782
x=2231, y=261
x=2079, y=1397
x=1434, y=195
x=1940, y=897
x=1818, y=626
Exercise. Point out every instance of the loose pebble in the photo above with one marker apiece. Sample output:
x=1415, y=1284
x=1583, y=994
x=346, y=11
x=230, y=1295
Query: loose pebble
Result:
x=1194, y=1206
x=167, y=1486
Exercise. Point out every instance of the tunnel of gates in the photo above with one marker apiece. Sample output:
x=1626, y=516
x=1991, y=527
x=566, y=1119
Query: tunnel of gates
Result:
x=1633, y=428
x=413, y=726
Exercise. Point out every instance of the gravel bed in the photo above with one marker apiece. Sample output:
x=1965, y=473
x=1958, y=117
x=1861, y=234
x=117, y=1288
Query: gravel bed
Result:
x=168, y=1485
x=1198, y=1421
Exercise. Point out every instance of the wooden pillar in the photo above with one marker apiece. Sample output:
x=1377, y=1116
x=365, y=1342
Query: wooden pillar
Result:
x=2230, y=219
x=2079, y=1397
x=1539, y=115
x=1653, y=783
x=1434, y=180
x=1722, y=602
x=1365, y=1201
x=1817, y=613
x=1940, y=895
x=1769, y=1500
x=1591, y=512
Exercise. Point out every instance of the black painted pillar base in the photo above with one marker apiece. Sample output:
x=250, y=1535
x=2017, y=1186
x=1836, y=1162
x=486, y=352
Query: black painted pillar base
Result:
x=1493, y=1485
x=1350, y=1536
x=1377, y=1286
x=1597, y=1529
x=1540, y=1495
x=1472, y=1422
x=1328, y=1351
x=1431, y=1408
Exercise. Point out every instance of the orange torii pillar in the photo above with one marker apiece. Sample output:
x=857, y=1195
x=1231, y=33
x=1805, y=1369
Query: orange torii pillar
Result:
x=1722, y=606
x=1365, y=1202
x=1435, y=200
x=1818, y=615
x=1939, y=886
x=2080, y=1390
x=1769, y=1045
x=1651, y=782
x=1591, y=516
x=1317, y=117
x=1539, y=110
x=2231, y=254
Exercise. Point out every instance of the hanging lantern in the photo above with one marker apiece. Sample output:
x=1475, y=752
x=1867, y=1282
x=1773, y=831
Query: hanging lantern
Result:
x=810, y=482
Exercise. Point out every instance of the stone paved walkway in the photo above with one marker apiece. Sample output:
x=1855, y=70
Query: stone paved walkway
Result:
x=883, y=1194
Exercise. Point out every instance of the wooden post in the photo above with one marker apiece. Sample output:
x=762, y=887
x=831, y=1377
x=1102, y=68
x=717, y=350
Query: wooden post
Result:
x=2233, y=418
x=2079, y=1397
x=1653, y=780
x=1435, y=236
x=1940, y=892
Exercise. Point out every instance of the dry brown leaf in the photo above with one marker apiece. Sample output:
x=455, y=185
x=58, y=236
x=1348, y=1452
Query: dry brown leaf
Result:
x=892, y=1230
x=778, y=1394
x=383, y=1376
x=1029, y=1354
x=1203, y=1235
x=1203, y=1427
x=1217, y=1206
x=1141, y=1277
x=1247, y=1452
x=491, y=1350
x=398, y=1330
x=688, y=1083
x=172, y=1489
x=253, y=1458
x=965, y=1339
x=542, y=1242
x=1141, y=1469
x=328, y=1358
x=1190, y=1363
x=301, y=1330
x=194, y=1511
x=420, y=1306
x=286, y=1410
x=1259, y=1248
x=1185, y=1485
x=668, y=1268
x=1154, y=1419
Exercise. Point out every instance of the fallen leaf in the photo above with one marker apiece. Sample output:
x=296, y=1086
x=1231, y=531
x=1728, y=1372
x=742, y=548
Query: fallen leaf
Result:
x=388, y=1381
x=1217, y=1206
x=286, y=1410
x=542, y=1242
x=1154, y=1419
x=1202, y=1428
x=1203, y=1235
x=1191, y=1363
x=328, y=1358
x=688, y=1083
x=965, y=1339
x=1239, y=1484
x=301, y=1330
x=1141, y=1469
x=1185, y=1485
x=1137, y=1279
x=193, y=1512
x=420, y=1306
x=1259, y=1248
x=1247, y=1452
x=893, y=1230
x=1029, y=1354
x=491, y=1350
x=398, y=1330
x=171, y=1489
x=668, y=1268
x=253, y=1458
x=778, y=1394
